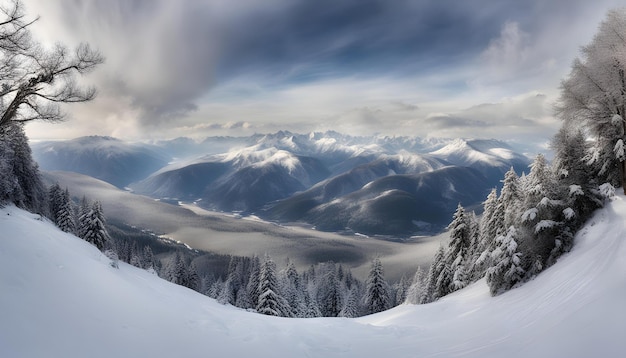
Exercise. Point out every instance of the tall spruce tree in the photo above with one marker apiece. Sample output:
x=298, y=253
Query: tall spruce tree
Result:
x=21, y=181
x=377, y=291
x=93, y=228
x=55, y=201
x=65, y=213
x=415, y=291
x=436, y=267
x=270, y=301
x=506, y=269
x=457, y=253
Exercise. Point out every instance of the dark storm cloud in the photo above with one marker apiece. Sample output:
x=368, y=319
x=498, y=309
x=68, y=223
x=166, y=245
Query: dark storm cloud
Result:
x=165, y=55
x=307, y=39
x=175, y=64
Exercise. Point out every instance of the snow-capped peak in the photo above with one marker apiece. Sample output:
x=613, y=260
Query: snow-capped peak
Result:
x=472, y=151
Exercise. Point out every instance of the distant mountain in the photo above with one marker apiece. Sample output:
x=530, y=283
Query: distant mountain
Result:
x=402, y=194
x=296, y=206
x=492, y=157
x=372, y=185
x=109, y=159
x=396, y=205
x=243, y=180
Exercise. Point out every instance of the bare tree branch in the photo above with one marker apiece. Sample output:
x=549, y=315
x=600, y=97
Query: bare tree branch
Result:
x=34, y=81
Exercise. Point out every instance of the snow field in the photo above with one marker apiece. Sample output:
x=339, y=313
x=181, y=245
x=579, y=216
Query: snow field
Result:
x=59, y=297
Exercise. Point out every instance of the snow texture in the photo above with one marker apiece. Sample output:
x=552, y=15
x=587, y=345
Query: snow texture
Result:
x=60, y=297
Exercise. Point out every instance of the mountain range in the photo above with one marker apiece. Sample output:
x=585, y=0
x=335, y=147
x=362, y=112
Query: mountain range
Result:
x=387, y=186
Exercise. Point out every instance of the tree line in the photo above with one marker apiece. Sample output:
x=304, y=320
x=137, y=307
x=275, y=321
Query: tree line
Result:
x=324, y=290
x=532, y=222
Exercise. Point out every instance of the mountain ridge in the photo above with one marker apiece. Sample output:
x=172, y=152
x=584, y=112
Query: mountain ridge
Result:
x=286, y=176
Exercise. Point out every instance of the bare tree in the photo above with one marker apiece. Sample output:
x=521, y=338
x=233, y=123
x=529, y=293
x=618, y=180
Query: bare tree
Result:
x=34, y=81
x=593, y=97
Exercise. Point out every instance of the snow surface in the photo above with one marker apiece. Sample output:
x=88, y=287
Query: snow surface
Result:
x=59, y=297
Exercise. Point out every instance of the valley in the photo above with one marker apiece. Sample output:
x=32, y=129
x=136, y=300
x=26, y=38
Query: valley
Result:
x=224, y=234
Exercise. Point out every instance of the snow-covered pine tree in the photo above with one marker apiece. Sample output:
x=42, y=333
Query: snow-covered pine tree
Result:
x=227, y=296
x=506, y=269
x=148, y=261
x=55, y=200
x=457, y=252
x=509, y=201
x=8, y=184
x=93, y=228
x=254, y=281
x=177, y=270
x=473, y=223
x=487, y=233
x=330, y=298
x=430, y=292
x=83, y=209
x=444, y=280
x=351, y=304
x=540, y=220
x=573, y=174
x=234, y=281
x=22, y=183
x=270, y=301
x=377, y=291
x=312, y=308
x=415, y=291
x=577, y=187
x=292, y=290
x=400, y=290
x=65, y=213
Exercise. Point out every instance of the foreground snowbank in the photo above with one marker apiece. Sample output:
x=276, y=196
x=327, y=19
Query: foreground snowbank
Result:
x=59, y=297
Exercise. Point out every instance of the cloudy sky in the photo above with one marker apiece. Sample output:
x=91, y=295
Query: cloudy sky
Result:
x=438, y=68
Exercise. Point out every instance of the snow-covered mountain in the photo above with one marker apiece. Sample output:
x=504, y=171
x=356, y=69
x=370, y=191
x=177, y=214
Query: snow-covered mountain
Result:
x=285, y=176
x=390, y=205
x=491, y=156
x=61, y=298
x=109, y=159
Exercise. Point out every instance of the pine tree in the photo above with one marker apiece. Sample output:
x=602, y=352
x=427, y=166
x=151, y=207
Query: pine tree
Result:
x=291, y=288
x=254, y=281
x=351, y=305
x=148, y=262
x=93, y=228
x=270, y=302
x=415, y=291
x=509, y=201
x=330, y=296
x=438, y=264
x=55, y=201
x=65, y=213
x=21, y=180
x=401, y=289
x=312, y=308
x=506, y=270
x=457, y=252
x=83, y=210
x=377, y=292
x=540, y=222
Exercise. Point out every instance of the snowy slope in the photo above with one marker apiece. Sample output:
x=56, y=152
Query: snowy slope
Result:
x=480, y=152
x=60, y=298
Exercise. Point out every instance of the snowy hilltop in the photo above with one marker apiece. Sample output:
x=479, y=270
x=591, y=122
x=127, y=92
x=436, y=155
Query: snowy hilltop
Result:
x=62, y=298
